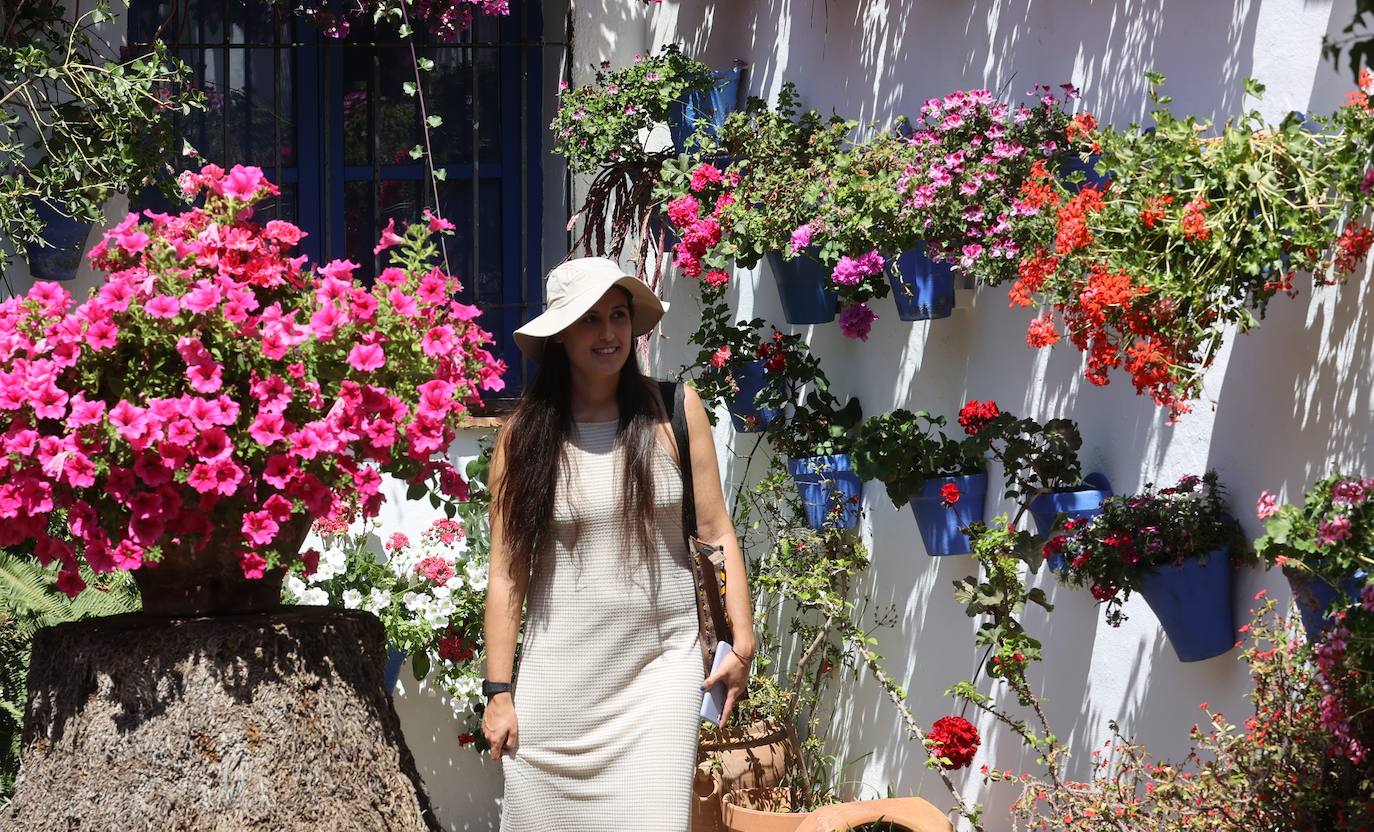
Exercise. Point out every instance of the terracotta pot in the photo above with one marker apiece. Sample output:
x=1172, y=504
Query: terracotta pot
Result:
x=193, y=581
x=706, y=811
x=910, y=813
x=753, y=756
x=752, y=810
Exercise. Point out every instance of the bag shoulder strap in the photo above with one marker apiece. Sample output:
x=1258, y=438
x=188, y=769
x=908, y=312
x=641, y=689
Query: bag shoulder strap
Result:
x=673, y=400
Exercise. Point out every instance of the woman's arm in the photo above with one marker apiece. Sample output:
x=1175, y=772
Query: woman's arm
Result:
x=505, y=599
x=715, y=527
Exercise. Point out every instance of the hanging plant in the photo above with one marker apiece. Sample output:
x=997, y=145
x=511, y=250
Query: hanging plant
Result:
x=1193, y=237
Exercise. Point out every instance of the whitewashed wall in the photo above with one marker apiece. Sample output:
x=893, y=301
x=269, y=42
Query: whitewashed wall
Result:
x=1284, y=404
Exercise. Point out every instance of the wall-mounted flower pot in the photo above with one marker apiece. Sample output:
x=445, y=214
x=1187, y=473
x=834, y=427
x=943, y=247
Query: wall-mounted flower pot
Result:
x=826, y=482
x=803, y=286
x=942, y=527
x=1315, y=599
x=743, y=414
x=1081, y=503
x=704, y=112
x=1192, y=600
x=394, y=659
x=922, y=288
x=66, y=243
x=1072, y=164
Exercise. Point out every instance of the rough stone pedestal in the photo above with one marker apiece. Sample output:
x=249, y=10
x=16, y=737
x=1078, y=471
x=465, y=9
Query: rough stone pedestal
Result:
x=270, y=721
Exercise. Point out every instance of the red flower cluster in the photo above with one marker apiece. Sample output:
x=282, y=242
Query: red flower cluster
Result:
x=701, y=233
x=1032, y=273
x=955, y=739
x=949, y=494
x=1037, y=191
x=1194, y=222
x=452, y=648
x=1352, y=247
x=1073, y=233
x=1081, y=128
x=1155, y=209
x=1042, y=332
x=773, y=353
x=974, y=415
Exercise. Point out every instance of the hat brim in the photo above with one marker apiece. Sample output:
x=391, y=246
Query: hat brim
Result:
x=648, y=311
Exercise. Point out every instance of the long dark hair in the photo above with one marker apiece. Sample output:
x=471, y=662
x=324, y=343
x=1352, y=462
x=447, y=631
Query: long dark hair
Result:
x=533, y=453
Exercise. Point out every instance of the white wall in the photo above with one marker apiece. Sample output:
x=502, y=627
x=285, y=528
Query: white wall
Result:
x=1283, y=404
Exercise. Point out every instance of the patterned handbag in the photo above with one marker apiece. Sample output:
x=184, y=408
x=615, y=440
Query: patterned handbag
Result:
x=708, y=562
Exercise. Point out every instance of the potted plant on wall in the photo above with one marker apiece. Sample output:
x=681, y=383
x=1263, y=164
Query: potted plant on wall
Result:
x=1174, y=546
x=602, y=128
x=77, y=127
x=1322, y=546
x=944, y=480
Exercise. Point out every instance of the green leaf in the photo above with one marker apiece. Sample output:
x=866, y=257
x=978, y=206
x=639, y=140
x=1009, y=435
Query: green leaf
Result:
x=419, y=665
x=408, y=87
x=425, y=64
x=440, y=174
x=417, y=151
x=434, y=121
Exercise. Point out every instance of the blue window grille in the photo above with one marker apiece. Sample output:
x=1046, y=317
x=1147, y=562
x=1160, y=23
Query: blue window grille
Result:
x=330, y=123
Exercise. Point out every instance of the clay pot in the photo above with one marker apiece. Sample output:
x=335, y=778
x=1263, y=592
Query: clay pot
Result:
x=706, y=811
x=758, y=810
x=910, y=813
x=193, y=580
x=753, y=756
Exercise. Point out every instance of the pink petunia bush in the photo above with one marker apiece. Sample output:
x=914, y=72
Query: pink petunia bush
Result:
x=217, y=387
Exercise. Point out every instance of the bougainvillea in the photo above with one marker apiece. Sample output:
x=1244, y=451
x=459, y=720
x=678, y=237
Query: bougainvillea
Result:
x=216, y=386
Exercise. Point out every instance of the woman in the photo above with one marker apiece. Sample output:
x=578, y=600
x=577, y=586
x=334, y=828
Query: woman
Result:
x=600, y=730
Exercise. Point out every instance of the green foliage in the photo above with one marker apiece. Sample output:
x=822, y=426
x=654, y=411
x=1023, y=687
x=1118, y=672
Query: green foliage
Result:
x=29, y=601
x=784, y=155
x=603, y=124
x=76, y=126
x=904, y=449
x=1035, y=457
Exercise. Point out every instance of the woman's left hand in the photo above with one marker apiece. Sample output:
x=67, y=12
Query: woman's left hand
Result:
x=734, y=672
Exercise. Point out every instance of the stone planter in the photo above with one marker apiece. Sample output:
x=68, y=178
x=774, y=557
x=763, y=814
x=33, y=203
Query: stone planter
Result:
x=267, y=721
x=207, y=580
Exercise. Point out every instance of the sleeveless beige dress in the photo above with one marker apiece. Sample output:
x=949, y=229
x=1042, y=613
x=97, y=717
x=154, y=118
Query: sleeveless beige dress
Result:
x=607, y=695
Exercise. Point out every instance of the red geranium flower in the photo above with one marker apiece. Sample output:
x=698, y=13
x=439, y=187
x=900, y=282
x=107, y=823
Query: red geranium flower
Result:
x=949, y=494
x=974, y=415
x=955, y=739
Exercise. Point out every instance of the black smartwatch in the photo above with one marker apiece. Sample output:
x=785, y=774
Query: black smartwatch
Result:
x=490, y=689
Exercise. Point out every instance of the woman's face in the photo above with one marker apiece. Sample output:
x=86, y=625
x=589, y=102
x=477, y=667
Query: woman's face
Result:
x=599, y=342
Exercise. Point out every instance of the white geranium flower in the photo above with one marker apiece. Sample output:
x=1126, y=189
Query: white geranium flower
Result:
x=477, y=576
x=414, y=601
x=378, y=600
x=457, y=581
x=352, y=599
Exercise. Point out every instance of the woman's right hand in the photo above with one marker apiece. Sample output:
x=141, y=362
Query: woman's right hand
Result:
x=499, y=725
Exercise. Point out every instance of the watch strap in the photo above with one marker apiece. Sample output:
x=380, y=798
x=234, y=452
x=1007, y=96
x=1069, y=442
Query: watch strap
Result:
x=490, y=689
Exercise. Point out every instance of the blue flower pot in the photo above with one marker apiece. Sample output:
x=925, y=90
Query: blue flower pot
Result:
x=1315, y=597
x=1082, y=503
x=941, y=527
x=1192, y=600
x=743, y=414
x=922, y=288
x=394, y=659
x=821, y=482
x=1091, y=176
x=66, y=243
x=803, y=285
x=704, y=111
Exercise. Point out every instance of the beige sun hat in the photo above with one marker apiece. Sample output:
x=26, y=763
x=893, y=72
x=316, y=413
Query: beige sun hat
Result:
x=573, y=288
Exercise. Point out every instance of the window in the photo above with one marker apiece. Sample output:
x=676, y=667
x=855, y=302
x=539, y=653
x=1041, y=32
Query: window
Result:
x=329, y=122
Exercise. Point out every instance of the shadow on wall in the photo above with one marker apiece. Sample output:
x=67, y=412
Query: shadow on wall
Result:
x=460, y=781
x=878, y=59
